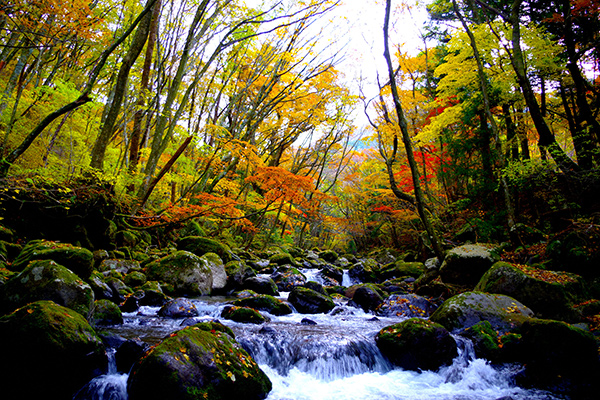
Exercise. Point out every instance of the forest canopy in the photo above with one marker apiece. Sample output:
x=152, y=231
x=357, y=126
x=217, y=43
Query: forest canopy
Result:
x=240, y=116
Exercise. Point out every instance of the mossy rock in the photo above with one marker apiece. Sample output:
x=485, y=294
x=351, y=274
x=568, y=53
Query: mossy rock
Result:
x=557, y=354
x=466, y=309
x=153, y=294
x=328, y=255
x=243, y=315
x=186, y=272
x=46, y=280
x=52, y=343
x=119, y=265
x=465, y=265
x=406, y=305
x=264, y=302
x=286, y=278
x=202, y=245
x=282, y=259
x=550, y=294
x=119, y=289
x=486, y=342
x=417, y=344
x=219, y=274
x=178, y=308
x=77, y=259
x=262, y=285
x=331, y=275
x=135, y=279
x=10, y=250
x=364, y=271
x=106, y=313
x=5, y=273
x=307, y=301
x=6, y=234
x=368, y=296
x=400, y=269
x=197, y=364
x=237, y=272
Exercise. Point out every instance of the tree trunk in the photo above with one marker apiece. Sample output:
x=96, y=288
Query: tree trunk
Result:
x=414, y=168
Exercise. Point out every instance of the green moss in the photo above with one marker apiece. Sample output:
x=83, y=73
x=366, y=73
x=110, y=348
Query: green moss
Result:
x=264, y=302
x=243, y=314
x=77, y=259
x=106, y=313
x=202, y=245
x=135, y=279
x=282, y=259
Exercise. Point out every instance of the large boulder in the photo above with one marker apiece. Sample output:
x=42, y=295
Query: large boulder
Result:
x=237, y=272
x=48, y=349
x=307, y=301
x=364, y=270
x=122, y=266
x=402, y=269
x=286, y=278
x=106, y=313
x=417, y=344
x=178, y=308
x=549, y=294
x=266, y=303
x=467, y=309
x=187, y=273
x=201, y=245
x=406, y=305
x=368, y=297
x=560, y=357
x=214, y=262
x=77, y=259
x=46, y=280
x=465, y=265
x=262, y=285
x=243, y=315
x=195, y=363
x=331, y=275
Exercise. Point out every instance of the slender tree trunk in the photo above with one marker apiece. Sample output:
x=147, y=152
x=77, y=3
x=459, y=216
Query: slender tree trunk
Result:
x=414, y=168
x=139, y=40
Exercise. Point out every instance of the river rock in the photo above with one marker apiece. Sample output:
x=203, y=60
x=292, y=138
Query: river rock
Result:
x=201, y=245
x=307, y=301
x=467, y=309
x=197, y=364
x=286, y=278
x=178, y=308
x=368, y=297
x=135, y=279
x=560, y=356
x=100, y=288
x=187, y=273
x=406, y=305
x=46, y=280
x=106, y=313
x=237, y=273
x=77, y=259
x=282, y=259
x=266, y=303
x=401, y=269
x=243, y=315
x=119, y=289
x=364, y=271
x=417, y=344
x=465, y=265
x=331, y=275
x=550, y=294
x=316, y=286
x=130, y=352
x=153, y=295
x=219, y=275
x=122, y=266
x=48, y=351
x=262, y=285
x=328, y=255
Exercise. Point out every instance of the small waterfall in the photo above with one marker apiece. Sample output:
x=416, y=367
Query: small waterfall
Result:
x=346, y=280
x=325, y=355
x=111, y=386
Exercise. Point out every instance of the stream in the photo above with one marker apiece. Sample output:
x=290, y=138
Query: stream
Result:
x=325, y=357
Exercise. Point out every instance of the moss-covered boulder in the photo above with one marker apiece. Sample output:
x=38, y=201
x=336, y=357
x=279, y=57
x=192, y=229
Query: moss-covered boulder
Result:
x=560, y=356
x=198, y=364
x=243, y=315
x=119, y=265
x=135, y=279
x=331, y=275
x=178, y=308
x=153, y=294
x=286, y=278
x=119, y=289
x=48, y=349
x=406, y=305
x=417, y=344
x=237, y=272
x=187, y=273
x=77, y=259
x=99, y=286
x=550, y=294
x=202, y=245
x=219, y=275
x=467, y=309
x=106, y=313
x=368, y=296
x=264, y=302
x=282, y=259
x=307, y=301
x=401, y=269
x=364, y=270
x=328, y=255
x=46, y=280
x=262, y=285
x=465, y=265
x=486, y=343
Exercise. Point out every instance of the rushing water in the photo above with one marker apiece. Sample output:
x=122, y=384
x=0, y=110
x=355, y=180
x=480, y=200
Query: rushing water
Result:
x=327, y=357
